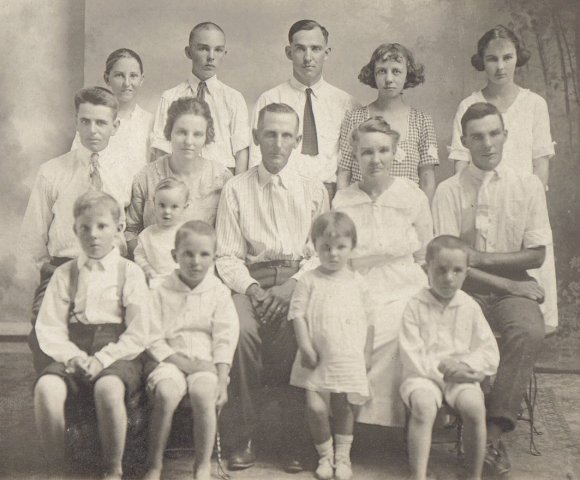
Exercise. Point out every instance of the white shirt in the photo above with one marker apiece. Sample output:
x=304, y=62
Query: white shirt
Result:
x=47, y=227
x=201, y=323
x=228, y=111
x=247, y=228
x=329, y=105
x=96, y=302
x=518, y=216
x=528, y=124
x=132, y=139
x=432, y=332
x=153, y=250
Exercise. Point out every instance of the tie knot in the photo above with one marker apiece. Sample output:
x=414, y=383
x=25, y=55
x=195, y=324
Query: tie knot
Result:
x=94, y=157
x=308, y=91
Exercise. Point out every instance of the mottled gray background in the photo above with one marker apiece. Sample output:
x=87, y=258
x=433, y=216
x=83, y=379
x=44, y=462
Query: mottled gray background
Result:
x=49, y=49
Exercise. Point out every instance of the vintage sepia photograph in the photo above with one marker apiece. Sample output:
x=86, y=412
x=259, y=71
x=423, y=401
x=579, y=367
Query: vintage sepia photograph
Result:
x=274, y=239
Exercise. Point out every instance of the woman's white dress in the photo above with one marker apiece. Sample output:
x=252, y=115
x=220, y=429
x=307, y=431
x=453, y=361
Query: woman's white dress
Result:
x=394, y=229
x=528, y=124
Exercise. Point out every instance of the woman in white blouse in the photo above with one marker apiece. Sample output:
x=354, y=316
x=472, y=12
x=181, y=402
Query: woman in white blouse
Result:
x=529, y=145
x=124, y=76
x=394, y=225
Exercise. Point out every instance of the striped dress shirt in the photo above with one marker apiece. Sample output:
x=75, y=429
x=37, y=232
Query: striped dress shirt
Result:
x=257, y=213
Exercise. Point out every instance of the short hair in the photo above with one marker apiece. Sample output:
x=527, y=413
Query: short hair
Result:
x=277, y=108
x=399, y=53
x=499, y=31
x=97, y=96
x=479, y=110
x=333, y=224
x=118, y=55
x=306, y=25
x=189, y=106
x=172, y=183
x=95, y=199
x=205, y=26
x=373, y=124
x=196, y=227
x=442, y=242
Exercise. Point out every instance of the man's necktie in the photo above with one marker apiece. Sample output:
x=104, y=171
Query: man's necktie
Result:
x=201, y=91
x=483, y=210
x=95, y=173
x=281, y=214
x=309, y=138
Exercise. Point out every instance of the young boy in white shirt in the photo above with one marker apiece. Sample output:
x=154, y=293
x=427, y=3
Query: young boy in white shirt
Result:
x=47, y=227
x=194, y=335
x=447, y=349
x=206, y=50
x=93, y=324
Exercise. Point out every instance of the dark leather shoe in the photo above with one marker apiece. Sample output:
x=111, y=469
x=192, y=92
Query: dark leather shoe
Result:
x=293, y=464
x=243, y=457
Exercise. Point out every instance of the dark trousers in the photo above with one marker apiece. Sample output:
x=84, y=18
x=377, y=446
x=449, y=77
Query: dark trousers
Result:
x=264, y=356
x=519, y=324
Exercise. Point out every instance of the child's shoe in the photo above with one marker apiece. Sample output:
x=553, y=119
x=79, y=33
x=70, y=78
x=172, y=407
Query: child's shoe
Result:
x=343, y=469
x=324, y=471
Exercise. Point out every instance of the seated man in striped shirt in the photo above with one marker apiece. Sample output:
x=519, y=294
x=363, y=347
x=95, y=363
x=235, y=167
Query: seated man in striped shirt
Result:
x=263, y=223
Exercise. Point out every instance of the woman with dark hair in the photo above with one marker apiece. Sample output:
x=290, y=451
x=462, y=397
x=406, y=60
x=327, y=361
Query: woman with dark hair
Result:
x=189, y=128
x=529, y=145
x=124, y=76
x=391, y=70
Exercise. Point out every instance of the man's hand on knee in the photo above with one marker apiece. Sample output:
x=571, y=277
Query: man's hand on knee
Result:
x=528, y=289
x=277, y=301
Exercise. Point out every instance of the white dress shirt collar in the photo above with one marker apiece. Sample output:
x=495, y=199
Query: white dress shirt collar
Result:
x=194, y=82
x=109, y=261
x=173, y=282
x=426, y=296
x=294, y=83
x=265, y=177
x=479, y=174
x=84, y=154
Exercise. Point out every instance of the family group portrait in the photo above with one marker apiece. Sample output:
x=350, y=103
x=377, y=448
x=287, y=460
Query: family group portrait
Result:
x=318, y=239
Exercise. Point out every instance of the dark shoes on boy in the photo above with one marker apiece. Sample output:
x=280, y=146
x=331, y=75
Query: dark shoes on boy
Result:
x=245, y=457
x=496, y=462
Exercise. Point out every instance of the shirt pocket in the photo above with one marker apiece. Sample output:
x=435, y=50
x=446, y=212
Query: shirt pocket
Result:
x=514, y=222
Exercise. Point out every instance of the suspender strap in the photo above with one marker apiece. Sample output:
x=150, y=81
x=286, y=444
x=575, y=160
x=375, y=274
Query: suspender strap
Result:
x=74, y=284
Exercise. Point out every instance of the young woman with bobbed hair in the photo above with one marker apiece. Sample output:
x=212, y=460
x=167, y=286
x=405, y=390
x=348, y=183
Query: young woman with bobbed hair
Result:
x=392, y=69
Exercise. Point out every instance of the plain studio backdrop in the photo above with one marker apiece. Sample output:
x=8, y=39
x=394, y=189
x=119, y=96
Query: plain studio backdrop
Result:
x=51, y=49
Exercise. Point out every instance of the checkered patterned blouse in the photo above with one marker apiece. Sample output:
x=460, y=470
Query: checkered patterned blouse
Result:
x=417, y=150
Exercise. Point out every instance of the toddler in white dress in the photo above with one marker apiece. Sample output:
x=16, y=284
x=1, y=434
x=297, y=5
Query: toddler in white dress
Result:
x=334, y=327
x=153, y=251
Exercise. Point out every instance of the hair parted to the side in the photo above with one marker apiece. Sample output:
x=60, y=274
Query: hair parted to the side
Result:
x=195, y=227
x=499, y=31
x=94, y=199
x=205, y=26
x=398, y=53
x=276, y=108
x=97, y=96
x=172, y=183
x=189, y=106
x=118, y=55
x=445, y=242
x=306, y=25
x=373, y=124
x=479, y=110
x=333, y=224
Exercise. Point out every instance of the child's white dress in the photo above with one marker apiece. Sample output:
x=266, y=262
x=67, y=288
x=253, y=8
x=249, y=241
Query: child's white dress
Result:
x=337, y=314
